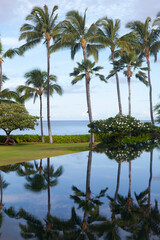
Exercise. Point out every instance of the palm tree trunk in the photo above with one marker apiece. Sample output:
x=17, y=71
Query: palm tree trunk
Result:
x=41, y=119
x=88, y=190
x=129, y=95
x=40, y=167
x=88, y=100
x=1, y=184
x=0, y=74
x=118, y=88
x=129, y=190
x=118, y=180
x=117, y=188
x=89, y=107
x=150, y=180
x=48, y=186
x=48, y=102
x=150, y=91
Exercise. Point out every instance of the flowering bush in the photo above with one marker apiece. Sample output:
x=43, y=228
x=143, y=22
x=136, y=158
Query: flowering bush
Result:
x=123, y=129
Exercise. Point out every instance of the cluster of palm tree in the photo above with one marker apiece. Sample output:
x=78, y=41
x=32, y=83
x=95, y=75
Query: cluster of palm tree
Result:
x=127, y=52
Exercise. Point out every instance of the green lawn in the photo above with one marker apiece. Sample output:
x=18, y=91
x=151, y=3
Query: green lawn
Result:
x=32, y=151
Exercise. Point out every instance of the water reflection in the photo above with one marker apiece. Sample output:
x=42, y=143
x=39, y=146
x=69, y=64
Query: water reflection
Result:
x=89, y=203
x=95, y=208
x=38, y=179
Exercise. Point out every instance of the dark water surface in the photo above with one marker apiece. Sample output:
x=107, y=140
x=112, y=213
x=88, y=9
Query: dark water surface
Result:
x=85, y=195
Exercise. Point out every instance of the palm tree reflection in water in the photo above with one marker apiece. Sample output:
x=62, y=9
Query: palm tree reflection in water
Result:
x=42, y=179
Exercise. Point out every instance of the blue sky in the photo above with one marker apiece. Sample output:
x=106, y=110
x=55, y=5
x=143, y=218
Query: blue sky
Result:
x=72, y=105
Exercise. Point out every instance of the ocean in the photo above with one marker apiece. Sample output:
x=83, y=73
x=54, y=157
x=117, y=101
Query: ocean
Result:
x=57, y=127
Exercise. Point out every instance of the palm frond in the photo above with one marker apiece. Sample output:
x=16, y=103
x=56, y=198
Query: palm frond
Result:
x=92, y=51
x=74, y=49
x=101, y=77
x=142, y=77
x=78, y=78
x=12, y=52
x=4, y=78
x=111, y=74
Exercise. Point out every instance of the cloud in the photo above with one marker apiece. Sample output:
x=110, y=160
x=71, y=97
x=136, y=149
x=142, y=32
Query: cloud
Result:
x=11, y=41
x=132, y=9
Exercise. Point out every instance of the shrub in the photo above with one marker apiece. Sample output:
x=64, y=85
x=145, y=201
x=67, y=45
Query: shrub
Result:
x=123, y=129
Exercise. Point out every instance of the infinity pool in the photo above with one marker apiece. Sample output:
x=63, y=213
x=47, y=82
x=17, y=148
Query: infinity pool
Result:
x=85, y=195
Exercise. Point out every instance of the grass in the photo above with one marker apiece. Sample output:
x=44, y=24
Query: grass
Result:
x=32, y=151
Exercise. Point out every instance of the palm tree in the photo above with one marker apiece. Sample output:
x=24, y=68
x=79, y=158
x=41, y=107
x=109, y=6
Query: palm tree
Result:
x=130, y=63
x=9, y=53
x=36, y=86
x=107, y=35
x=148, y=44
x=85, y=70
x=76, y=35
x=42, y=28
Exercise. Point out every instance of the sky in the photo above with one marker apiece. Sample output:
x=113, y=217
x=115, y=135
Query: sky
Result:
x=72, y=105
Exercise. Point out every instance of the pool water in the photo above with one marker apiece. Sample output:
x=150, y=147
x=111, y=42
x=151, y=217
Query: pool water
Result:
x=86, y=195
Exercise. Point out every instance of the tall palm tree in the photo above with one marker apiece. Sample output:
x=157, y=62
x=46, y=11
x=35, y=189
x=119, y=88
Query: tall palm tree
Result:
x=76, y=35
x=107, y=35
x=42, y=27
x=148, y=44
x=85, y=70
x=9, y=53
x=36, y=86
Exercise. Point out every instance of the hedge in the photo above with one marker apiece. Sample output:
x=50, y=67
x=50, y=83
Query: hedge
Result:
x=56, y=138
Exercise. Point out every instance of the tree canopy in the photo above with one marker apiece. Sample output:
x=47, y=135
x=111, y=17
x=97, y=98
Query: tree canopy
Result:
x=15, y=116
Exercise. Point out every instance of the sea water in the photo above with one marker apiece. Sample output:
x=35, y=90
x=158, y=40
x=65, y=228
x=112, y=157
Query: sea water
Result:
x=69, y=127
